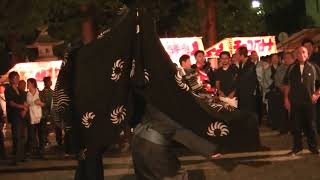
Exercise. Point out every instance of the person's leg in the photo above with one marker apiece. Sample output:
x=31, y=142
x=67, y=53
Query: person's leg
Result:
x=153, y=161
x=42, y=136
x=94, y=166
x=28, y=145
x=318, y=116
x=275, y=111
x=68, y=147
x=80, y=171
x=33, y=138
x=20, y=140
x=14, y=136
x=296, y=115
x=284, y=122
x=90, y=166
x=38, y=137
x=58, y=132
x=311, y=127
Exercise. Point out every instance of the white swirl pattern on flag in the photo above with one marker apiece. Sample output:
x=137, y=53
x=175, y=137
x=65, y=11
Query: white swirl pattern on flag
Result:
x=218, y=126
x=118, y=115
x=117, y=70
x=146, y=76
x=133, y=68
x=87, y=119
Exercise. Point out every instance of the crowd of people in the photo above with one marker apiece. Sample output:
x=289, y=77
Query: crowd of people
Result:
x=283, y=87
x=267, y=86
x=29, y=114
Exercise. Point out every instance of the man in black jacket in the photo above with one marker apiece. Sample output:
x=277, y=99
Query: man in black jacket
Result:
x=314, y=57
x=300, y=98
x=247, y=82
x=16, y=110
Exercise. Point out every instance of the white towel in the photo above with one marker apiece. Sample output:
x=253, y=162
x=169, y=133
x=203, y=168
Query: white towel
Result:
x=232, y=102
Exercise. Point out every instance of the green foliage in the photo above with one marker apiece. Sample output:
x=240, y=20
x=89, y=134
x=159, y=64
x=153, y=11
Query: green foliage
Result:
x=189, y=21
x=173, y=18
x=234, y=18
x=274, y=6
x=65, y=16
x=22, y=16
x=237, y=18
x=286, y=15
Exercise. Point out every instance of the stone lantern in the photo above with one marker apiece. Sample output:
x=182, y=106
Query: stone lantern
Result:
x=45, y=43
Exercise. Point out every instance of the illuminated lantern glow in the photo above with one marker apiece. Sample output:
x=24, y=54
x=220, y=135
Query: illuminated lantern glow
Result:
x=263, y=45
x=176, y=47
x=38, y=70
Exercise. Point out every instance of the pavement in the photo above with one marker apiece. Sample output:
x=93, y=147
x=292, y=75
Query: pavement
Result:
x=270, y=164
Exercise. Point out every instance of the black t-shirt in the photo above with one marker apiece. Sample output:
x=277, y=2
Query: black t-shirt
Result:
x=212, y=77
x=227, y=79
x=12, y=95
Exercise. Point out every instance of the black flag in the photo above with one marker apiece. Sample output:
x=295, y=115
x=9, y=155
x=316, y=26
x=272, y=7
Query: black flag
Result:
x=130, y=60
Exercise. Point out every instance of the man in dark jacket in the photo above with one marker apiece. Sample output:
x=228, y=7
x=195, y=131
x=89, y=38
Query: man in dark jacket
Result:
x=247, y=82
x=314, y=57
x=16, y=111
x=301, y=96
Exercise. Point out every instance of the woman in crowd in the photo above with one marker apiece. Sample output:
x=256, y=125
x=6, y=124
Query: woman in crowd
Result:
x=35, y=115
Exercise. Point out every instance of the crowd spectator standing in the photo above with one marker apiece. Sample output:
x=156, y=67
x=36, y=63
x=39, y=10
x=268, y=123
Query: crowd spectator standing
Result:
x=35, y=105
x=226, y=77
x=47, y=118
x=300, y=99
x=28, y=113
x=254, y=57
x=247, y=82
x=284, y=122
x=276, y=112
x=190, y=74
x=250, y=79
x=314, y=57
x=203, y=69
x=16, y=111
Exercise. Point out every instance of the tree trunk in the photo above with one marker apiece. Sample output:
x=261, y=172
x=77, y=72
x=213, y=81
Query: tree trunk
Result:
x=212, y=24
x=202, y=18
